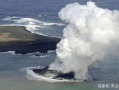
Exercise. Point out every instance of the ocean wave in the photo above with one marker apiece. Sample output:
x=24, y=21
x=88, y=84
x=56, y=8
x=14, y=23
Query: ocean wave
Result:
x=51, y=51
x=39, y=15
x=50, y=24
x=42, y=15
x=8, y=52
x=31, y=24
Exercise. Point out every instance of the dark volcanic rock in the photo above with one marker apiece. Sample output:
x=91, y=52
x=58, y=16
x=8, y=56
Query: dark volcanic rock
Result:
x=69, y=75
x=59, y=75
x=18, y=39
x=43, y=71
x=28, y=46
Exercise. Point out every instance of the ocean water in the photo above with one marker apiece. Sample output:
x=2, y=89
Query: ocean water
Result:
x=41, y=17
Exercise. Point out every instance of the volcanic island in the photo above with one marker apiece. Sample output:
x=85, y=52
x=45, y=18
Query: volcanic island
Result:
x=22, y=41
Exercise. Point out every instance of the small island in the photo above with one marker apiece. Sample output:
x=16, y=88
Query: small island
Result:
x=22, y=41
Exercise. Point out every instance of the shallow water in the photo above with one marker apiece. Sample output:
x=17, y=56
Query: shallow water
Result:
x=14, y=77
x=15, y=83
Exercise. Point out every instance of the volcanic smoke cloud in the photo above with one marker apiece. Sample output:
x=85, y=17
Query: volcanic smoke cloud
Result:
x=91, y=34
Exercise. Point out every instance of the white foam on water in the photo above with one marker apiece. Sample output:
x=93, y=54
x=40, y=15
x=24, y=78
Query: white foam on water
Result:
x=31, y=24
x=50, y=24
x=39, y=15
x=43, y=56
x=8, y=52
x=51, y=51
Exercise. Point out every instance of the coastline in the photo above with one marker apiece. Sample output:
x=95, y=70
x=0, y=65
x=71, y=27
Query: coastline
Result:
x=22, y=41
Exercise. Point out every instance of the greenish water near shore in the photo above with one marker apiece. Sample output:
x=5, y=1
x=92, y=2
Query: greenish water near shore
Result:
x=15, y=83
x=13, y=77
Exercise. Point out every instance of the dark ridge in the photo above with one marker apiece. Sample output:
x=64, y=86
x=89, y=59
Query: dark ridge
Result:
x=18, y=39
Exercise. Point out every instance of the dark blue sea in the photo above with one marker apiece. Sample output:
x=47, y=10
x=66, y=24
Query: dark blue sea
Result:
x=41, y=17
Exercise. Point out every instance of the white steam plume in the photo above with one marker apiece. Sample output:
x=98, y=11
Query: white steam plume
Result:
x=91, y=33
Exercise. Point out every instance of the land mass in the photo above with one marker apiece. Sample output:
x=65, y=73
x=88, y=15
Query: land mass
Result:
x=57, y=75
x=22, y=41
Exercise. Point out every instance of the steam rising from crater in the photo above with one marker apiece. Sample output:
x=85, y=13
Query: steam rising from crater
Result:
x=91, y=33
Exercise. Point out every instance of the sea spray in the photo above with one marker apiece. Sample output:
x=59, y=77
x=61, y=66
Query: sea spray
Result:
x=92, y=33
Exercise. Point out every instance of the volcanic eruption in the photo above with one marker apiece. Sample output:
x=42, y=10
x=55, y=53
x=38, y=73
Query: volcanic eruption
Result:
x=91, y=34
